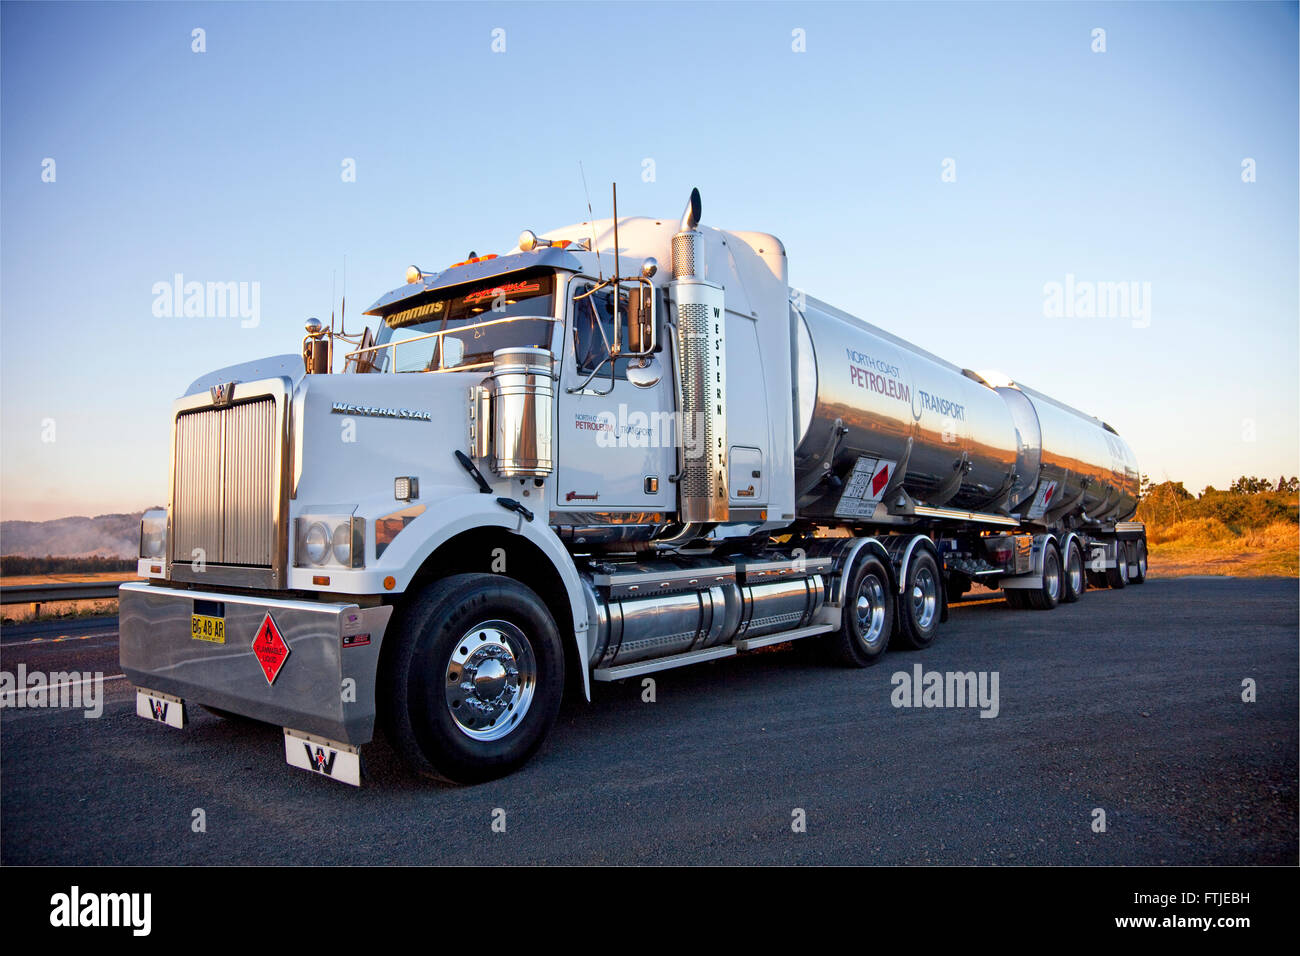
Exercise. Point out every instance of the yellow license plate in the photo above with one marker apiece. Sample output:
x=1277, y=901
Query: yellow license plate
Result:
x=205, y=628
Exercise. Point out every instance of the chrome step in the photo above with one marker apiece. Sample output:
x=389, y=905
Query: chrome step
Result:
x=707, y=654
x=750, y=643
x=663, y=663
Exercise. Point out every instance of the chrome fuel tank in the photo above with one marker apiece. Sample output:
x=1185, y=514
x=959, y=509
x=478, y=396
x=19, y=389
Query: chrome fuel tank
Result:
x=952, y=437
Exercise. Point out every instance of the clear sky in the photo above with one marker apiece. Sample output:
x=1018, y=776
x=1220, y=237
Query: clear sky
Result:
x=227, y=166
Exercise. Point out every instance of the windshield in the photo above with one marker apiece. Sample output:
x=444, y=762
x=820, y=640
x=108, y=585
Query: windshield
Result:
x=473, y=314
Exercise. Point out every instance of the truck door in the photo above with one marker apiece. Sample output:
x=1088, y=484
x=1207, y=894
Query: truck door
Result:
x=615, y=441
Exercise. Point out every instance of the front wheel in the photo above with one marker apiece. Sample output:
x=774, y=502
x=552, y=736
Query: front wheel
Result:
x=918, y=605
x=473, y=679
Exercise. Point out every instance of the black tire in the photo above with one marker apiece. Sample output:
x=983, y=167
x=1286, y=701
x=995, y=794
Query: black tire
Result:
x=1073, y=576
x=868, y=616
x=920, y=604
x=1117, y=576
x=1140, y=563
x=471, y=641
x=1049, y=595
x=1015, y=598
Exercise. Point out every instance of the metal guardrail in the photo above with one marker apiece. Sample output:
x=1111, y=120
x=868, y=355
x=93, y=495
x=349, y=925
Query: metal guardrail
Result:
x=58, y=591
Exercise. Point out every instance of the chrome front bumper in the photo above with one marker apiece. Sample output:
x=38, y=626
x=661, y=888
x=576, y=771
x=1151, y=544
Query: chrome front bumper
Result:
x=324, y=686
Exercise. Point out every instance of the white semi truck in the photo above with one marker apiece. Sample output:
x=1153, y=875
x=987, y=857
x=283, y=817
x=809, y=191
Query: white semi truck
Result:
x=538, y=473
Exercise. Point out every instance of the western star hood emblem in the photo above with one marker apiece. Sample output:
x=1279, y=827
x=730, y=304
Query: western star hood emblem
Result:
x=414, y=414
x=223, y=393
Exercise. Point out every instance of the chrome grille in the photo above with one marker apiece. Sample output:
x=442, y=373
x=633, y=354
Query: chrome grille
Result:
x=226, y=484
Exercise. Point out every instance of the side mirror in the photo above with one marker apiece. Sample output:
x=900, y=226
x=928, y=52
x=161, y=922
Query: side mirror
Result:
x=640, y=320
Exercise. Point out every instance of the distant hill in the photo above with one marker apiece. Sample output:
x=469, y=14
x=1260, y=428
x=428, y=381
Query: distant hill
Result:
x=75, y=537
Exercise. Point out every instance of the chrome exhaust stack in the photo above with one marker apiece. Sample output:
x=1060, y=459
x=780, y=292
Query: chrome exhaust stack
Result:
x=700, y=320
x=688, y=244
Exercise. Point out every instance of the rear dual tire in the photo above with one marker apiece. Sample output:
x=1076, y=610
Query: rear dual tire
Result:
x=1073, y=579
x=1117, y=577
x=1139, y=573
x=1048, y=595
x=867, y=618
x=920, y=603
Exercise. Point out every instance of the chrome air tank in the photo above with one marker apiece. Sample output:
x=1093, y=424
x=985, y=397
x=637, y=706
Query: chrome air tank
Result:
x=952, y=435
x=1087, y=471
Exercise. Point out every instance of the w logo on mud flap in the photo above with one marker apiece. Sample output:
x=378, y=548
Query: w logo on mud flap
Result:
x=318, y=762
x=159, y=708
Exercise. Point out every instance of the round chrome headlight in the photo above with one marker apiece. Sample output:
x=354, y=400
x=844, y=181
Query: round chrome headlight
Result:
x=317, y=543
x=343, y=544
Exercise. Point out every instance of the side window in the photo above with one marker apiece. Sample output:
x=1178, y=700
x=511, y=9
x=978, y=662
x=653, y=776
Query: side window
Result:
x=593, y=328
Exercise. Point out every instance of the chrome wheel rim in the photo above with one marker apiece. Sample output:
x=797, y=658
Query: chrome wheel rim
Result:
x=1142, y=562
x=490, y=680
x=1052, y=578
x=870, y=610
x=1076, y=571
x=925, y=598
x=1121, y=563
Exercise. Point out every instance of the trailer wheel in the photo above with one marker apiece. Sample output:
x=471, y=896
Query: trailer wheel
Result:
x=919, y=605
x=1140, y=565
x=868, y=616
x=473, y=679
x=1073, y=582
x=1117, y=576
x=1046, y=597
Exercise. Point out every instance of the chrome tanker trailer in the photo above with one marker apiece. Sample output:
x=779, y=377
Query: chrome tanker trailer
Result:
x=562, y=465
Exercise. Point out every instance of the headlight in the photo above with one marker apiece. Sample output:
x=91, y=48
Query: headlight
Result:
x=341, y=544
x=317, y=542
x=153, y=534
x=330, y=541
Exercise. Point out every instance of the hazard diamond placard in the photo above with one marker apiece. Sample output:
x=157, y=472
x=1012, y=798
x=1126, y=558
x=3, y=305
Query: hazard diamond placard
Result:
x=270, y=648
x=866, y=483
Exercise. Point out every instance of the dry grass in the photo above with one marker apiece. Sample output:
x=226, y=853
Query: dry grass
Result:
x=1208, y=546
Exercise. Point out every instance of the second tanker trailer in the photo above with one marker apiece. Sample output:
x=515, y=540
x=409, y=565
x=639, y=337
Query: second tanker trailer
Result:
x=550, y=468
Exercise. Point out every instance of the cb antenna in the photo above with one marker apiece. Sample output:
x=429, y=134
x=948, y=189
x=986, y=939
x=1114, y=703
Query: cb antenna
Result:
x=591, y=217
x=343, y=311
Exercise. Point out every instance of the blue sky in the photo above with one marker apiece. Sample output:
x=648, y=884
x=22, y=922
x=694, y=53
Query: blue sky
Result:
x=1122, y=166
